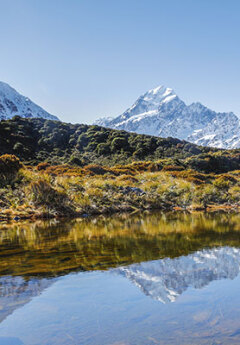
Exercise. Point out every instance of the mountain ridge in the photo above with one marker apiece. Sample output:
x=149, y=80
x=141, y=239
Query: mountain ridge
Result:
x=160, y=112
x=12, y=103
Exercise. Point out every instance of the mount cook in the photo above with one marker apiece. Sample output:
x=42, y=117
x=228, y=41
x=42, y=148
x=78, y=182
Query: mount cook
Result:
x=160, y=112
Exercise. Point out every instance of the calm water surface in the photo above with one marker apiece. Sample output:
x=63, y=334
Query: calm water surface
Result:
x=143, y=279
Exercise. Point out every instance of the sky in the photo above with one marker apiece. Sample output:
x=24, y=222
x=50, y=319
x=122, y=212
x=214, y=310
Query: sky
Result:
x=85, y=59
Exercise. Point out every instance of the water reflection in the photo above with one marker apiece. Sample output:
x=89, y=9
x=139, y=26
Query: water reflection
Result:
x=67, y=280
x=17, y=291
x=164, y=280
x=55, y=248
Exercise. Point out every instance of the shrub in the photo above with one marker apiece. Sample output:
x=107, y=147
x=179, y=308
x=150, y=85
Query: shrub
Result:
x=103, y=149
x=43, y=194
x=224, y=181
x=119, y=143
x=74, y=160
x=96, y=169
x=18, y=147
x=234, y=192
x=127, y=178
x=42, y=166
x=172, y=168
x=9, y=167
x=194, y=180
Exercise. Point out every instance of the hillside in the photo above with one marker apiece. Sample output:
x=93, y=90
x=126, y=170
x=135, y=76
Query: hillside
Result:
x=72, y=170
x=39, y=140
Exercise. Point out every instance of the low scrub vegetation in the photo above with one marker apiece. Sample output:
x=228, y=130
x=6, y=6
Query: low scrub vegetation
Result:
x=65, y=191
x=37, y=140
x=55, y=169
x=9, y=168
x=46, y=143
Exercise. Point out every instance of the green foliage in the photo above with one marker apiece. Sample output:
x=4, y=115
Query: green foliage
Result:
x=37, y=140
x=103, y=149
x=119, y=143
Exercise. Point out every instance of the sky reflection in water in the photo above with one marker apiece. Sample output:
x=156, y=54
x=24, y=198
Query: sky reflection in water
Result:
x=144, y=279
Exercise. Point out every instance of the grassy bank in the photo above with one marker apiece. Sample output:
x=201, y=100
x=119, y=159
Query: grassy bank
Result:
x=46, y=191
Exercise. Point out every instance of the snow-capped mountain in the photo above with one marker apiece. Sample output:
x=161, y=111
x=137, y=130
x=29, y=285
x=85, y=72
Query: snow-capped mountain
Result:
x=160, y=112
x=12, y=103
x=166, y=279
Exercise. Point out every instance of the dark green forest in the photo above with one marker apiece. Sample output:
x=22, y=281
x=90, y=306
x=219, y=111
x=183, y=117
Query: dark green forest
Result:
x=38, y=140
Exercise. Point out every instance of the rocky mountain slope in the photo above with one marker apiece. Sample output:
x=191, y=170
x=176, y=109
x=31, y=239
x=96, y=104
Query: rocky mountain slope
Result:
x=160, y=112
x=166, y=279
x=12, y=103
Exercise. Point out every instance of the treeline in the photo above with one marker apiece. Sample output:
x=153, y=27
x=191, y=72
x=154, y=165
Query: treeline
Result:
x=38, y=140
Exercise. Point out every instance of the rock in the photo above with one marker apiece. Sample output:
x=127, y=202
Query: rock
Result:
x=135, y=190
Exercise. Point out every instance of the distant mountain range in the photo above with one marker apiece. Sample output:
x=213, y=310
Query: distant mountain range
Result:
x=12, y=103
x=160, y=112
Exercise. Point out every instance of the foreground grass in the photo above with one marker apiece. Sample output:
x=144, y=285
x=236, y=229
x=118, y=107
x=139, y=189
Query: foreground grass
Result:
x=63, y=191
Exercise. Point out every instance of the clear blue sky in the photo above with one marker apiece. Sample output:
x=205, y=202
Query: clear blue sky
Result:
x=82, y=59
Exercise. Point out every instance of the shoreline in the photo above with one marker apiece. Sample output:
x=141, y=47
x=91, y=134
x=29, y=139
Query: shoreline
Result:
x=16, y=217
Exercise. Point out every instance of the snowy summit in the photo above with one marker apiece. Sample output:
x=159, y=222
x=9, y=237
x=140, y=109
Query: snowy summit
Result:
x=13, y=103
x=160, y=112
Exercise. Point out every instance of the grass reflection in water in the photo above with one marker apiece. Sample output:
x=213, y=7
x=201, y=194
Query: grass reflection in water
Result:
x=54, y=248
x=131, y=304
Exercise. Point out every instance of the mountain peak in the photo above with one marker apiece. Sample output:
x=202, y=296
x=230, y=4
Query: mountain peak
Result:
x=161, y=89
x=160, y=94
x=13, y=103
x=149, y=103
x=3, y=84
x=160, y=112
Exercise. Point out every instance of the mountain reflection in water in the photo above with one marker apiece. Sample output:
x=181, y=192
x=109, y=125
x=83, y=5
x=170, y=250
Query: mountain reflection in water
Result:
x=166, y=256
x=164, y=280
x=17, y=291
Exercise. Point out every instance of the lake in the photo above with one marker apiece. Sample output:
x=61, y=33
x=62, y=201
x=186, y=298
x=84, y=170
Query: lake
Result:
x=140, y=279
